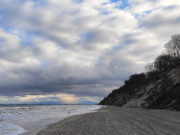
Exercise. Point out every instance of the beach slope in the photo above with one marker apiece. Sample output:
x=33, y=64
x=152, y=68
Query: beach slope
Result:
x=112, y=120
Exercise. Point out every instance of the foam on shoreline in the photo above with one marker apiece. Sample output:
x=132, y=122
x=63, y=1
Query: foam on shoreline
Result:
x=10, y=129
x=28, y=120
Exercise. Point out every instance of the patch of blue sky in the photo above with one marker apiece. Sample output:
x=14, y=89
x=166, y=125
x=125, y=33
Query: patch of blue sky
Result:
x=105, y=12
x=36, y=2
x=170, y=7
x=118, y=47
x=11, y=31
x=78, y=1
x=144, y=13
x=27, y=38
x=60, y=48
x=2, y=13
x=25, y=43
x=7, y=29
x=1, y=40
x=42, y=64
x=3, y=19
x=127, y=40
x=177, y=20
x=148, y=11
x=136, y=15
x=123, y=4
x=86, y=37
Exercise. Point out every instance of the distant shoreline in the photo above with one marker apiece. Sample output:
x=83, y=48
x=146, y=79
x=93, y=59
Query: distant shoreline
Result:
x=40, y=104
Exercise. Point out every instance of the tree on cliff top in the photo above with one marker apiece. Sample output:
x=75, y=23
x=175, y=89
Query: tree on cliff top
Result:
x=167, y=60
x=173, y=46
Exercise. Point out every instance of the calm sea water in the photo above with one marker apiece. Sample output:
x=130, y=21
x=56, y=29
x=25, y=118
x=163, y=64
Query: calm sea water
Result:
x=15, y=120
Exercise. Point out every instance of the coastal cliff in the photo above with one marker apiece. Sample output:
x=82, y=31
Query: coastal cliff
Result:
x=160, y=90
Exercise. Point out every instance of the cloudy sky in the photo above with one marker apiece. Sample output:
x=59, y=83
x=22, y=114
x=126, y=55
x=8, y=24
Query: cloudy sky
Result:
x=77, y=51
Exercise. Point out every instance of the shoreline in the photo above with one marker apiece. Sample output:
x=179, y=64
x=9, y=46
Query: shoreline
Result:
x=35, y=126
x=114, y=120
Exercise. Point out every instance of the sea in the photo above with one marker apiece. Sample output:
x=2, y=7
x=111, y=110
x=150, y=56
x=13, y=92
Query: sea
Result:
x=30, y=119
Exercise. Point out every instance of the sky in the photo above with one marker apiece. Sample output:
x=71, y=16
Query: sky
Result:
x=78, y=51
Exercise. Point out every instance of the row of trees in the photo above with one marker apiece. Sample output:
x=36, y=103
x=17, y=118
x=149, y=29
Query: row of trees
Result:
x=170, y=58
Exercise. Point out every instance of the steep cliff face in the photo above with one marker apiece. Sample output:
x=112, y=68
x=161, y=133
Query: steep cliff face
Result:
x=160, y=91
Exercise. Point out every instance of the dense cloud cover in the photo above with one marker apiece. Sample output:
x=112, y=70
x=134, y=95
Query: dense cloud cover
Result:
x=79, y=49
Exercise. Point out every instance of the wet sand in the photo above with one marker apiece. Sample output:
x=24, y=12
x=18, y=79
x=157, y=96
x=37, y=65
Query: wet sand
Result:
x=118, y=121
x=51, y=114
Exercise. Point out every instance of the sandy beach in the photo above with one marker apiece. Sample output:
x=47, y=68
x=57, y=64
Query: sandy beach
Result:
x=118, y=121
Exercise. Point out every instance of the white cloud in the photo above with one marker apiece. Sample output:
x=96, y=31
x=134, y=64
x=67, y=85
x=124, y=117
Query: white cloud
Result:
x=163, y=22
x=46, y=50
x=8, y=41
x=142, y=6
x=54, y=46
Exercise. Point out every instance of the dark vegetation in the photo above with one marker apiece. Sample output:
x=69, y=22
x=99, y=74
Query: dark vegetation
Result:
x=168, y=60
x=160, y=90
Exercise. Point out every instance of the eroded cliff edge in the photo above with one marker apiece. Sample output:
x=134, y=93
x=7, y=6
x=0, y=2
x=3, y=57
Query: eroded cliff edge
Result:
x=160, y=91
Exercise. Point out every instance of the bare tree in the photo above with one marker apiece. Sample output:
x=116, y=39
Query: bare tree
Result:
x=167, y=60
x=173, y=46
x=163, y=62
x=150, y=67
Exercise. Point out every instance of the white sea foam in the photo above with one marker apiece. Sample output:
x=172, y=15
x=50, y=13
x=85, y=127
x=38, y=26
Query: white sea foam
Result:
x=15, y=120
x=7, y=128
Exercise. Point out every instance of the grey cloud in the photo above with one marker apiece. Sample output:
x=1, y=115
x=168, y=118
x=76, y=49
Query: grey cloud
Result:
x=73, y=48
